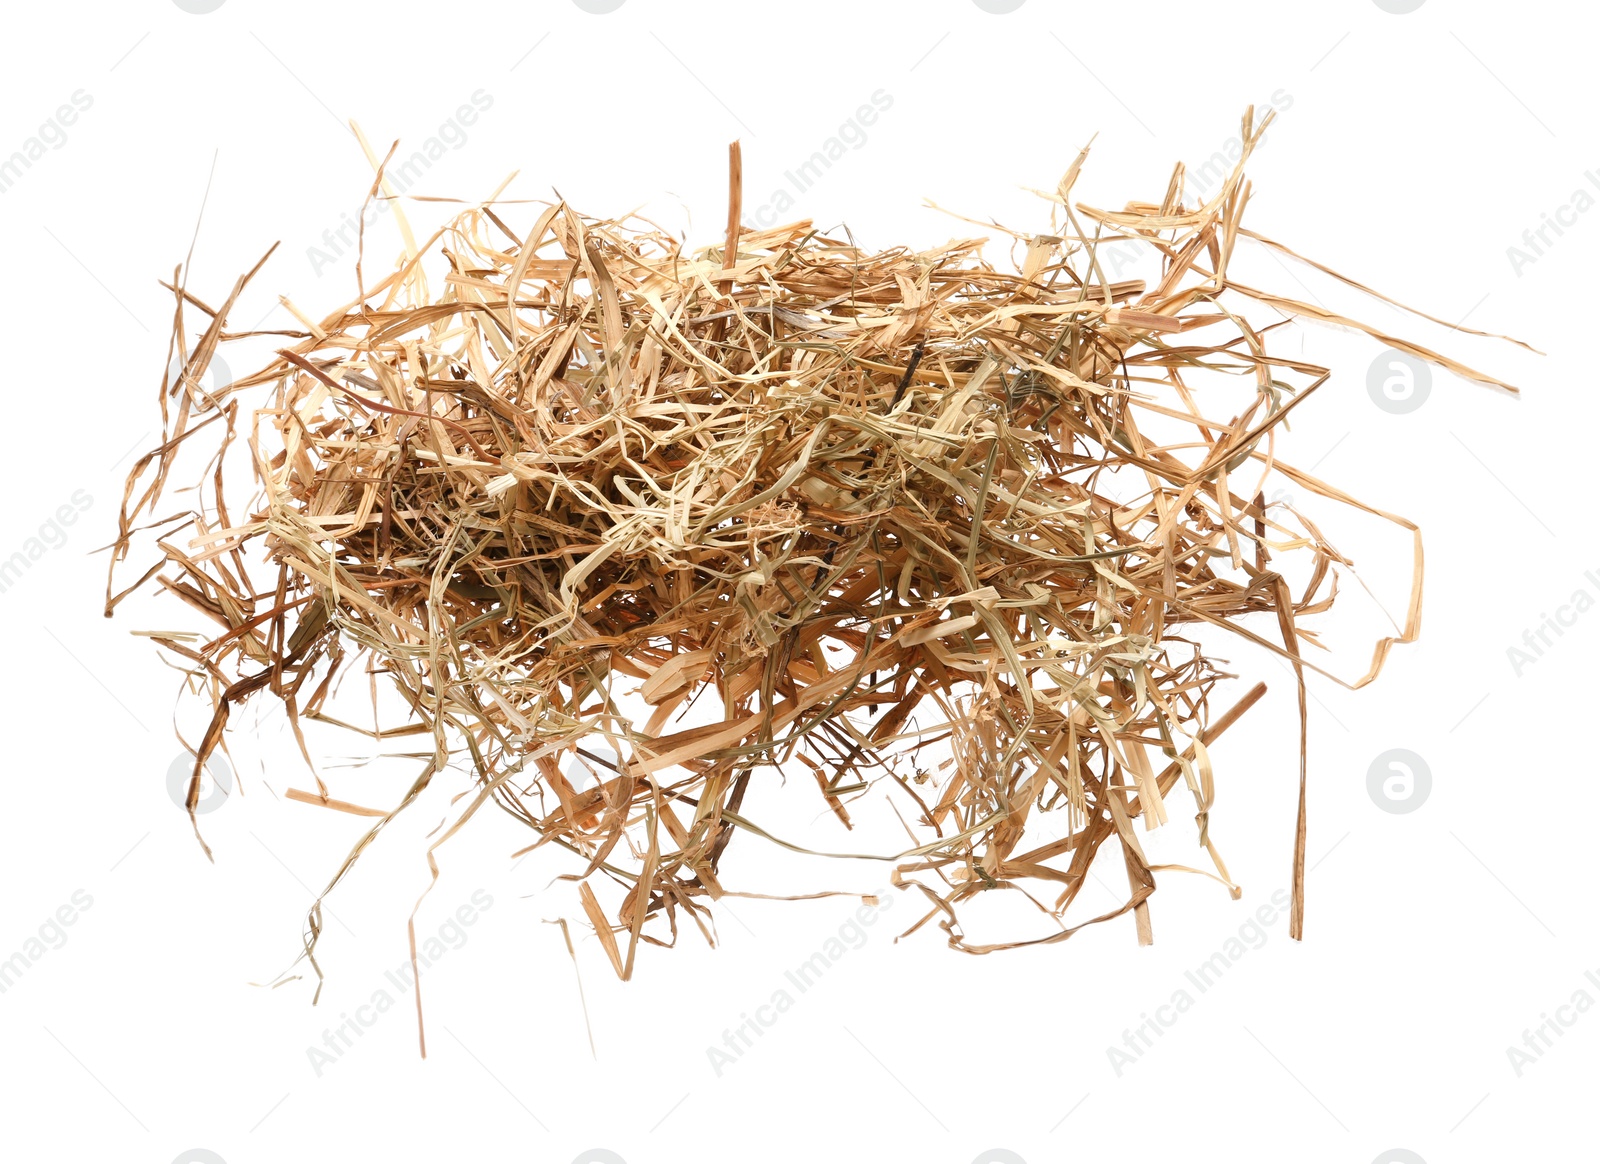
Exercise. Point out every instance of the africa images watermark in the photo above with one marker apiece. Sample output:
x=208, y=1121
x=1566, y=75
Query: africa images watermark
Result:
x=1252, y=935
x=53, y=133
x=451, y=935
x=402, y=174
x=851, y=935
x=52, y=535
x=852, y=133
x=1204, y=177
x=1536, y=240
x=1542, y=637
x=51, y=935
x=216, y=782
x=1398, y=382
x=1543, y=1037
x=1399, y=781
x=1118, y=255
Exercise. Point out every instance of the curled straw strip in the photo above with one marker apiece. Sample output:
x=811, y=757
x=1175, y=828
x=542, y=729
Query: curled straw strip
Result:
x=594, y=456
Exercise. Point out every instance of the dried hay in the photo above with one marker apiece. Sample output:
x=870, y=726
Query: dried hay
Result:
x=592, y=459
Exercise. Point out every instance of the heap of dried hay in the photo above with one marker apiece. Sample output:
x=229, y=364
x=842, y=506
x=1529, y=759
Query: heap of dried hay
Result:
x=591, y=459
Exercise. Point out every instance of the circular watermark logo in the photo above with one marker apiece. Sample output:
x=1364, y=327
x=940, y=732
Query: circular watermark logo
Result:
x=598, y=1156
x=1399, y=7
x=198, y=1155
x=998, y=1156
x=215, y=378
x=1398, y=382
x=999, y=8
x=599, y=7
x=1399, y=1155
x=199, y=8
x=1399, y=781
x=216, y=784
x=584, y=772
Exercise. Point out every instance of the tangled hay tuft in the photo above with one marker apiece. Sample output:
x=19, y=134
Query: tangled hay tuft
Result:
x=794, y=491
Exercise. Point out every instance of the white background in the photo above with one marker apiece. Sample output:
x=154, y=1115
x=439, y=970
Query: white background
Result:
x=1416, y=150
